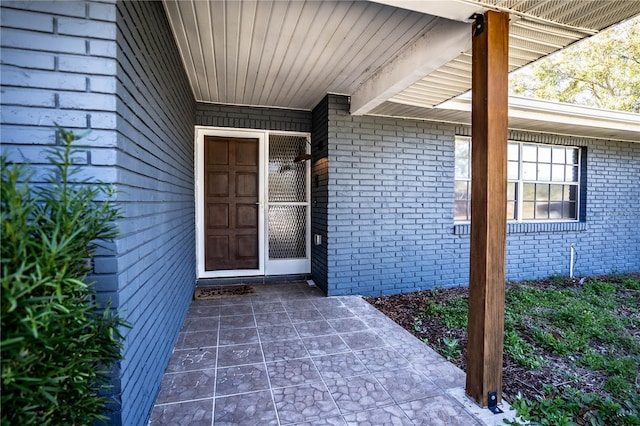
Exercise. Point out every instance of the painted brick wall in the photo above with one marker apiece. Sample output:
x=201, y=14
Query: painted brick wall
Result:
x=390, y=204
x=155, y=172
x=114, y=68
x=59, y=65
x=243, y=117
x=319, y=188
x=390, y=209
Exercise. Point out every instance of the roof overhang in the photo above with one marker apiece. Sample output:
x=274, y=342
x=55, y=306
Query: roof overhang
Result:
x=392, y=57
x=535, y=115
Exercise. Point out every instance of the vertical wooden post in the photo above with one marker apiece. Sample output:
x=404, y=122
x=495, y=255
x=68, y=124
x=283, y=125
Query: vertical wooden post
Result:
x=488, y=206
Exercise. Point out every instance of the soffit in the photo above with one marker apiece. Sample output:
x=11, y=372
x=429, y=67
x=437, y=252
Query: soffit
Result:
x=537, y=29
x=290, y=54
x=532, y=115
x=287, y=54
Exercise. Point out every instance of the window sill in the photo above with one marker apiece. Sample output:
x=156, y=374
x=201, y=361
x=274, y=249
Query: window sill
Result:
x=529, y=227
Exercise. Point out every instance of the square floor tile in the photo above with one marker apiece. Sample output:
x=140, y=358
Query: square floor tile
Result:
x=270, y=333
x=292, y=372
x=192, y=359
x=339, y=366
x=407, y=385
x=445, y=375
x=267, y=307
x=296, y=305
x=332, y=312
x=437, y=411
x=304, y=315
x=192, y=413
x=200, y=324
x=229, y=356
x=418, y=353
x=226, y=310
x=358, y=393
x=272, y=318
x=347, y=325
x=197, y=339
x=328, y=302
x=237, y=321
x=187, y=386
x=304, y=403
x=280, y=350
x=237, y=336
x=314, y=328
x=241, y=379
x=382, y=359
x=247, y=409
x=389, y=415
x=362, y=340
x=325, y=345
x=197, y=311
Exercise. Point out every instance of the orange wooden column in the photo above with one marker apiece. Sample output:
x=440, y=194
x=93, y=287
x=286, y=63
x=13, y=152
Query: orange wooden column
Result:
x=488, y=206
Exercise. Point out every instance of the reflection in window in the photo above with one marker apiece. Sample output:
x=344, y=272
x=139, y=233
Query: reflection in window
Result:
x=543, y=181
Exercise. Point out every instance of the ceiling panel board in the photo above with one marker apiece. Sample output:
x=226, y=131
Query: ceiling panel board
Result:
x=291, y=53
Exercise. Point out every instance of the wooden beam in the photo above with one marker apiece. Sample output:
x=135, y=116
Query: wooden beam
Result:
x=441, y=43
x=488, y=205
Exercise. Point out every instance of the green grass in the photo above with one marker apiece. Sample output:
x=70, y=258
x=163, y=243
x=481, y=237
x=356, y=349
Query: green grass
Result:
x=588, y=326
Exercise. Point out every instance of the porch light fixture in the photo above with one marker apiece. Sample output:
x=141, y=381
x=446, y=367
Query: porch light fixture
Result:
x=302, y=157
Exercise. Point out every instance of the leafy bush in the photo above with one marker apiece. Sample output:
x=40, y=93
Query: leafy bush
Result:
x=58, y=344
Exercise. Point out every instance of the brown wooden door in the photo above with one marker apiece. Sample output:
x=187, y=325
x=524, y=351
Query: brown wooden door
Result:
x=231, y=203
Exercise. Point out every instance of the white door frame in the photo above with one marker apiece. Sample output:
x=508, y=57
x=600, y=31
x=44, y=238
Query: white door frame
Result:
x=201, y=132
x=265, y=267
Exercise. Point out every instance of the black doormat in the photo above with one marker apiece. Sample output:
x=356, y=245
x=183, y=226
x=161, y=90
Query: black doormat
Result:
x=219, y=292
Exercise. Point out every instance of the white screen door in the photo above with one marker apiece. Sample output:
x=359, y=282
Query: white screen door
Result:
x=288, y=208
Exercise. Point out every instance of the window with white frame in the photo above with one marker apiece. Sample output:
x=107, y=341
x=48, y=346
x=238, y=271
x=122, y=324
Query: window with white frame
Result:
x=543, y=181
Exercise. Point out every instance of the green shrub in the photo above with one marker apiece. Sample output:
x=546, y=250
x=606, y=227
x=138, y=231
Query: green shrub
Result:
x=58, y=344
x=567, y=406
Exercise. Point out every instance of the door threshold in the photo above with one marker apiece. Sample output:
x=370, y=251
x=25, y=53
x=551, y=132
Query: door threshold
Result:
x=261, y=279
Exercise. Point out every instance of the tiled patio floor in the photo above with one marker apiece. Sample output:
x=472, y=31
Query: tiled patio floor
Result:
x=289, y=355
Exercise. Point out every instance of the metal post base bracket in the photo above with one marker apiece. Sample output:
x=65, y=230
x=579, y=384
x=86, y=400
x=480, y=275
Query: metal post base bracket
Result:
x=492, y=403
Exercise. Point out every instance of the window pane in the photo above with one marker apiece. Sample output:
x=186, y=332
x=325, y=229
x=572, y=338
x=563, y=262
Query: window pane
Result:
x=461, y=210
x=528, y=191
x=529, y=153
x=513, y=152
x=511, y=210
x=462, y=168
x=512, y=170
x=544, y=154
x=544, y=172
x=572, y=155
x=542, y=192
x=572, y=174
x=527, y=210
x=555, y=193
x=557, y=173
x=529, y=171
x=558, y=155
x=573, y=193
x=555, y=210
x=511, y=191
x=462, y=148
x=569, y=211
x=462, y=191
x=542, y=210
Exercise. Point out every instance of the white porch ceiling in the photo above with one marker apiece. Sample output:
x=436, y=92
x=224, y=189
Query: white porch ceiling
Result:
x=393, y=57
